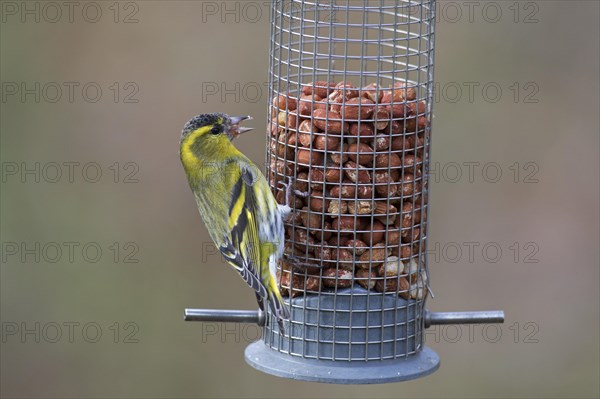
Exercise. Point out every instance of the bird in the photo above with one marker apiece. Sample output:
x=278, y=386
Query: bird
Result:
x=236, y=204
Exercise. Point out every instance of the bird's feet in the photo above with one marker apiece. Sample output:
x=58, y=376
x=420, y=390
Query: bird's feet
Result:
x=289, y=189
x=299, y=264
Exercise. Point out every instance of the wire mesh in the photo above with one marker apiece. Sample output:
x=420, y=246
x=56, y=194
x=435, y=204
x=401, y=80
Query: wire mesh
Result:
x=349, y=123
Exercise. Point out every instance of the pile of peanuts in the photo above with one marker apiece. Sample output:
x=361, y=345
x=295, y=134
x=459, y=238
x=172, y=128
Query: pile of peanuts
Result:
x=357, y=156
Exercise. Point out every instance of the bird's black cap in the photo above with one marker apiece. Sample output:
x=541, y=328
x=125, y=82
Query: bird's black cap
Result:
x=205, y=120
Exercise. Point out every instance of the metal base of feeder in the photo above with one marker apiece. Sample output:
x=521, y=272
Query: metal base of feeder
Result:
x=353, y=325
x=267, y=360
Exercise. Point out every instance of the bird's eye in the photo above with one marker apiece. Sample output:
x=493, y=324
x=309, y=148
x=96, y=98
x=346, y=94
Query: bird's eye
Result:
x=215, y=130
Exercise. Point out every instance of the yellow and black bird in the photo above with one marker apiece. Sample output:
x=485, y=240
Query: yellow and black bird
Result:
x=236, y=204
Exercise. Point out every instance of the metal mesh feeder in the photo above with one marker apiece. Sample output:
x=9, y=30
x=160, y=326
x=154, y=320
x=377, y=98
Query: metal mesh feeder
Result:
x=349, y=123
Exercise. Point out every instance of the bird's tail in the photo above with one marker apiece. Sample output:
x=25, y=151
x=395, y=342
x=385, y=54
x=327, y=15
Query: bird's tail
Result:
x=277, y=306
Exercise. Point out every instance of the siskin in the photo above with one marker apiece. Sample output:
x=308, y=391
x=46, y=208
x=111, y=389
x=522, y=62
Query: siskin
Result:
x=236, y=204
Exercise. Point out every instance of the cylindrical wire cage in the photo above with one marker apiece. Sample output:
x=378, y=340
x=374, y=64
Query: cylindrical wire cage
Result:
x=349, y=131
x=349, y=125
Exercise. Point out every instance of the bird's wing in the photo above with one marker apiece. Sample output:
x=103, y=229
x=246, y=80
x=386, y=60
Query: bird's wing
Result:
x=241, y=247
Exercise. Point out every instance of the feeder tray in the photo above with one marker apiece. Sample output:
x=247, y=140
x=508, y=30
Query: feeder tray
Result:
x=350, y=125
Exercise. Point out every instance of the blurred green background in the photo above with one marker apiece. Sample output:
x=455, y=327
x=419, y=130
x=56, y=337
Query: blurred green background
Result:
x=129, y=339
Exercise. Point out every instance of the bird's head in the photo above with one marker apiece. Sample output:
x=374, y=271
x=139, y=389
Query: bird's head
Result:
x=208, y=135
x=214, y=126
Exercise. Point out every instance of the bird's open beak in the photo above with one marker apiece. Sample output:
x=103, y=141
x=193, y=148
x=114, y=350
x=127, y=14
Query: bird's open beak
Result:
x=236, y=129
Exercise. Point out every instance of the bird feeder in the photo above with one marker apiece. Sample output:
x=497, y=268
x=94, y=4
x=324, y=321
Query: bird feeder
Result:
x=350, y=125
